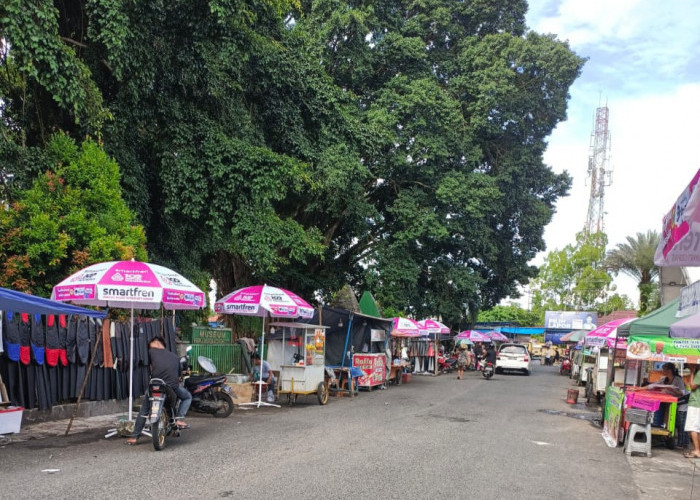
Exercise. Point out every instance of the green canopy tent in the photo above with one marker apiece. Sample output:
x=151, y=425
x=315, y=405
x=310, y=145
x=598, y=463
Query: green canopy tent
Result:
x=656, y=322
x=369, y=306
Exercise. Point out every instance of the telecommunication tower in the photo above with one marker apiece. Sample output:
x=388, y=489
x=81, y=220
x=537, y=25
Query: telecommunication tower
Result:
x=599, y=173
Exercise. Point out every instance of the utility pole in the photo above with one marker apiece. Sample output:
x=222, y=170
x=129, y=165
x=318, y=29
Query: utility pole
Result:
x=599, y=172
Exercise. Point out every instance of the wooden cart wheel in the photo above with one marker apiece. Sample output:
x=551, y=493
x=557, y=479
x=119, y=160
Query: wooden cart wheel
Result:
x=322, y=393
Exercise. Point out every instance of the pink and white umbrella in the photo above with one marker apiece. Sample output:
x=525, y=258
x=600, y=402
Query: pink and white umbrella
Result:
x=496, y=336
x=264, y=301
x=473, y=335
x=434, y=326
x=605, y=334
x=129, y=284
x=406, y=327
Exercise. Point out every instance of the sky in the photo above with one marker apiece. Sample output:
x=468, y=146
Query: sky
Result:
x=644, y=63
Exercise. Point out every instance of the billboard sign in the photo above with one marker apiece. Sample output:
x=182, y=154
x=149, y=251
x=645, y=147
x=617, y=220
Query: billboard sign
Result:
x=571, y=320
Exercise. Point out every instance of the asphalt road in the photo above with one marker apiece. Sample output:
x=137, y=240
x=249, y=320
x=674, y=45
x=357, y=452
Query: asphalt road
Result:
x=437, y=437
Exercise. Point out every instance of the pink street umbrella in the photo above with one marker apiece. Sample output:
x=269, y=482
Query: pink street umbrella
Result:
x=129, y=284
x=473, y=335
x=496, y=336
x=264, y=301
x=434, y=326
x=406, y=327
x=605, y=334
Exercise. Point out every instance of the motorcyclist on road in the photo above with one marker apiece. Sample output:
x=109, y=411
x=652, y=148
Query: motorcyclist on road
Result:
x=166, y=366
x=490, y=355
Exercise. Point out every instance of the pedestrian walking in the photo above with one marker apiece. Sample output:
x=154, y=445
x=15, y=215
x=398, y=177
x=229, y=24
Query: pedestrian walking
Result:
x=692, y=421
x=462, y=359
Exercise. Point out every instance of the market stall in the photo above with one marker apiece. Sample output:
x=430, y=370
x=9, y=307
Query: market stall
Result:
x=297, y=350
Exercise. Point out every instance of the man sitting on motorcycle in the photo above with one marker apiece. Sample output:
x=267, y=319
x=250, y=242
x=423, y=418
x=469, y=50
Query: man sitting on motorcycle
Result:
x=490, y=355
x=164, y=365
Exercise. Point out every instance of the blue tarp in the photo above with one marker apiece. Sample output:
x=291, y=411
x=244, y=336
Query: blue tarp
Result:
x=524, y=330
x=19, y=302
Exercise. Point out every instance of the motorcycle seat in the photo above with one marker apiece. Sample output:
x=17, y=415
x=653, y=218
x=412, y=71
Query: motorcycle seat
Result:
x=195, y=380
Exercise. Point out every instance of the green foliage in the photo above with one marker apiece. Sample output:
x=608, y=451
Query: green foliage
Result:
x=393, y=145
x=510, y=313
x=70, y=217
x=574, y=278
x=636, y=259
x=616, y=302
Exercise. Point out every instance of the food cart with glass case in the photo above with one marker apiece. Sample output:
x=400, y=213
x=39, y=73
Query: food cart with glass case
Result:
x=298, y=351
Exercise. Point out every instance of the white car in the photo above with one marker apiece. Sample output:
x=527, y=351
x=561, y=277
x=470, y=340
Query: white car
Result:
x=513, y=357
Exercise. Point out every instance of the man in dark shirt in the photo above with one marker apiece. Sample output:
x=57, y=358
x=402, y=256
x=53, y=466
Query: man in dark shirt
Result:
x=164, y=365
x=491, y=355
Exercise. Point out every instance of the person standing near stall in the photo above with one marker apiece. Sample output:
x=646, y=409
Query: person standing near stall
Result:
x=462, y=358
x=692, y=422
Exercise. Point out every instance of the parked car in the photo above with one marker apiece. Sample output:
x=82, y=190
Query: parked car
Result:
x=513, y=357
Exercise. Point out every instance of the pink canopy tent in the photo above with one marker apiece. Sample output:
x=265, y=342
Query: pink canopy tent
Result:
x=496, y=336
x=434, y=326
x=473, y=335
x=406, y=327
x=686, y=328
x=606, y=335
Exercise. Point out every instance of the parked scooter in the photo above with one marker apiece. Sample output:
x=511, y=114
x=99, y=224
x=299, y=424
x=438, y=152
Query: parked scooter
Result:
x=565, y=368
x=487, y=370
x=210, y=394
x=447, y=364
x=162, y=418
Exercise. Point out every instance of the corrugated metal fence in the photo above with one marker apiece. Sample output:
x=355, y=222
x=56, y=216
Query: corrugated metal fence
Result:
x=225, y=356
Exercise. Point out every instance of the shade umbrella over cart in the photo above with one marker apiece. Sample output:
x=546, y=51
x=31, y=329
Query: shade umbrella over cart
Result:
x=264, y=301
x=129, y=284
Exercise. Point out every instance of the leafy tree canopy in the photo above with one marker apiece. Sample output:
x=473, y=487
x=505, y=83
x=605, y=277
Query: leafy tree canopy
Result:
x=511, y=313
x=396, y=146
x=71, y=216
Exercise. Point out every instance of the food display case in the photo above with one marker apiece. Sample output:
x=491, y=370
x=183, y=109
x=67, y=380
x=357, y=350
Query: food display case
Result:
x=301, y=360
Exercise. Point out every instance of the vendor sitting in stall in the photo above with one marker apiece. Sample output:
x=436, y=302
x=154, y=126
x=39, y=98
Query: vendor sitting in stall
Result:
x=261, y=366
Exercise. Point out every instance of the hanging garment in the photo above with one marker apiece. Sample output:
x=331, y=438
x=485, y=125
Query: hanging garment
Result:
x=37, y=337
x=25, y=339
x=11, y=327
x=53, y=351
x=83, y=340
x=107, y=357
x=72, y=340
x=63, y=338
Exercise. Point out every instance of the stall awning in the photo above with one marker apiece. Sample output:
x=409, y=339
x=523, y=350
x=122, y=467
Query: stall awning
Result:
x=656, y=322
x=524, y=330
x=11, y=300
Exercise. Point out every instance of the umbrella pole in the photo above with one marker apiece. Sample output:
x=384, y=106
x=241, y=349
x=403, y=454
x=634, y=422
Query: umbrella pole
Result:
x=260, y=402
x=131, y=366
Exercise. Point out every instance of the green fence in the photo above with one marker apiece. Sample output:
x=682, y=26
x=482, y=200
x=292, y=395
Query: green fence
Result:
x=226, y=357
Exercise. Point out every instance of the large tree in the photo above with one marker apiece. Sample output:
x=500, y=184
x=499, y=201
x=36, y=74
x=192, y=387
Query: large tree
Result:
x=395, y=145
x=71, y=216
x=635, y=258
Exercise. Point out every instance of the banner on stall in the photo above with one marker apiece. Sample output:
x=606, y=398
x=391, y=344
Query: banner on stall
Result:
x=679, y=244
x=613, y=410
x=373, y=368
x=661, y=348
x=571, y=320
x=689, y=301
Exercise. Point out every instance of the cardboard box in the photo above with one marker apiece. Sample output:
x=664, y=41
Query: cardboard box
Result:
x=243, y=393
x=11, y=420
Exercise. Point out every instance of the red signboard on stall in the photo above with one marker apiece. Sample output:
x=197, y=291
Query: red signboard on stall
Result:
x=373, y=367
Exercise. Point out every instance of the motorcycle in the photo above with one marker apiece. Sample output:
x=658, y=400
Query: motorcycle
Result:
x=565, y=368
x=162, y=418
x=445, y=364
x=210, y=394
x=487, y=371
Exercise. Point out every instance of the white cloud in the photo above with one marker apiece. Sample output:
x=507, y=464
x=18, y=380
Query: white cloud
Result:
x=645, y=64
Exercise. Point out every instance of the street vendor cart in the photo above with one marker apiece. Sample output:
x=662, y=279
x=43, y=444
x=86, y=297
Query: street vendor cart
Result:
x=301, y=360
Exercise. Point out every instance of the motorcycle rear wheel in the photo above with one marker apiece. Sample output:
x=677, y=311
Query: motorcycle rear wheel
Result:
x=226, y=407
x=158, y=431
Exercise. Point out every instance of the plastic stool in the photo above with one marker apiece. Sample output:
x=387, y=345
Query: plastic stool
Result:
x=633, y=445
